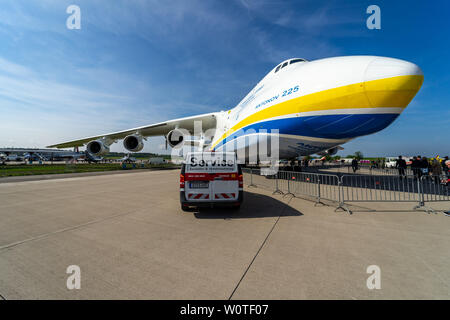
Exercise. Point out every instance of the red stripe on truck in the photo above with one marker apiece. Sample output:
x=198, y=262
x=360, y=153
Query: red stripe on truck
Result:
x=211, y=176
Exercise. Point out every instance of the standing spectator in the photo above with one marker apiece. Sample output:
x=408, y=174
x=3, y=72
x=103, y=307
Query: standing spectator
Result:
x=292, y=165
x=436, y=169
x=401, y=166
x=424, y=166
x=445, y=166
x=415, y=164
x=419, y=167
x=354, y=165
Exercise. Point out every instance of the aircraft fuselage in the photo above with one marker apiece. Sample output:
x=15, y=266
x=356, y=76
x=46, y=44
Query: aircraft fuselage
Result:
x=321, y=104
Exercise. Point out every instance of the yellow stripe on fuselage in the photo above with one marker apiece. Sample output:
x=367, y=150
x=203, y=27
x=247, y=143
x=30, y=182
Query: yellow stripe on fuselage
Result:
x=395, y=92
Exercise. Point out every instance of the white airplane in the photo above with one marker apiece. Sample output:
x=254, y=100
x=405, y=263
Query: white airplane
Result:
x=128, y=158
x=316, y=106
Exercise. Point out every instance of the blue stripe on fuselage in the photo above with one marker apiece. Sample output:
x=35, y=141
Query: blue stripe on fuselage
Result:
x=338, y=126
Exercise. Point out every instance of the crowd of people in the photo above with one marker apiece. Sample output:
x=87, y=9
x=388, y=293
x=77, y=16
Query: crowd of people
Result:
x=379, y=163
x=437, y=168
x=422, y=166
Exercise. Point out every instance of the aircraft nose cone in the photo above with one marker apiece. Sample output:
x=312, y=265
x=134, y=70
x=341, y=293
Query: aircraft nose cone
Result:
x=391, y=83
x=381, y=67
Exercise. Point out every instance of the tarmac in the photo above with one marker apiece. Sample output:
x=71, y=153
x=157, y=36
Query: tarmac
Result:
x=131, y=240
x=52, y=176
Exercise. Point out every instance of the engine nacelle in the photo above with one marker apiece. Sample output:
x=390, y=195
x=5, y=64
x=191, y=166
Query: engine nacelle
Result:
x=175, y=138
x=329, y=152
x=97, y=148
x=332, y=151
x=133, y=143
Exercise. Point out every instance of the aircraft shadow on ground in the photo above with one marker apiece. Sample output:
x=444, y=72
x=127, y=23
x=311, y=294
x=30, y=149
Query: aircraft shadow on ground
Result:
x=255, y=205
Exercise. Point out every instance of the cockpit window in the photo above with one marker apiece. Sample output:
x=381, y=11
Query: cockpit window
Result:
x=297, y=60
x=284, y=64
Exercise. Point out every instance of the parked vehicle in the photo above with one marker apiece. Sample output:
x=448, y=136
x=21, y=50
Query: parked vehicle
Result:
x=209, y=179
x=391, y=162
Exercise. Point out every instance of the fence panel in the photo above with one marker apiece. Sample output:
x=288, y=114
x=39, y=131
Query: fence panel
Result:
x=362, y=170
x=329, y=187
x=366, y=188
x=319, y=186
x=351, y=187
x=253, y=177
x=434, y=188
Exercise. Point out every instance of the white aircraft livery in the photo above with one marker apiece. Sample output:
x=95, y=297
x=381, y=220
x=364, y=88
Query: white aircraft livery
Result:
x=315, y=106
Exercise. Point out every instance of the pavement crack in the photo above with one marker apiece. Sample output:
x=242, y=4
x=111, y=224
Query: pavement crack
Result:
x=46, y=235
x=260, y=248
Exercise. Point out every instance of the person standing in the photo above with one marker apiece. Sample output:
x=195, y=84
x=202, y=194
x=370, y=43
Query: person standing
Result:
x=401, y=165
x=445, y=166
x=306, y=163
x=436, y=169
x=354, y=165
x=415, y=166
x=419, y=167
x=424, y=166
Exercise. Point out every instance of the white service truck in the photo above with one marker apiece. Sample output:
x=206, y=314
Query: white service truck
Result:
x=209, y=179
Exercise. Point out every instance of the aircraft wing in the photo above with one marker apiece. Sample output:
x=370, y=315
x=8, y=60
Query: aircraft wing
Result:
x=208, y=121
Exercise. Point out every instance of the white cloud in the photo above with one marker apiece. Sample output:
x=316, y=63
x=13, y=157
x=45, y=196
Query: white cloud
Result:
x=69, y=94
x=13, y=68
x=31, y=106
x=37, y=111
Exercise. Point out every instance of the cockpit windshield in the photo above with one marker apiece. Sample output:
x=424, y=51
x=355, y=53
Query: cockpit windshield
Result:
x=297, y=60
x=289, y=62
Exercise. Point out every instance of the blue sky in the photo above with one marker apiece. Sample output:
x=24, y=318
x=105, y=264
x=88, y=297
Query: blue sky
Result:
x=136, y=62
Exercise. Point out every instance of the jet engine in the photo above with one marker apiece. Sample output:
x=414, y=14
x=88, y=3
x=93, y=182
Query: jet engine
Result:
x=329, y=152
x=175, y=138
x=97, y=148
x=133, y=143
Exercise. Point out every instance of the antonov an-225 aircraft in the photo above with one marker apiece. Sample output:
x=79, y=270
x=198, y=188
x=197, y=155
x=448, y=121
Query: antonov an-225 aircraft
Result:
x=316, y=106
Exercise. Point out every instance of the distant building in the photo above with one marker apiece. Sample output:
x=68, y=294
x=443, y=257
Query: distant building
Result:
x=156, y=160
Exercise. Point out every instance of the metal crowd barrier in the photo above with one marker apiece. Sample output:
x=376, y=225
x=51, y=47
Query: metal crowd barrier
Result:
x=351, y=188
x=360, y=188
x=362, y=169
x=381, y=171
x=313, y=185
x=432, y=190
x=363, y=188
